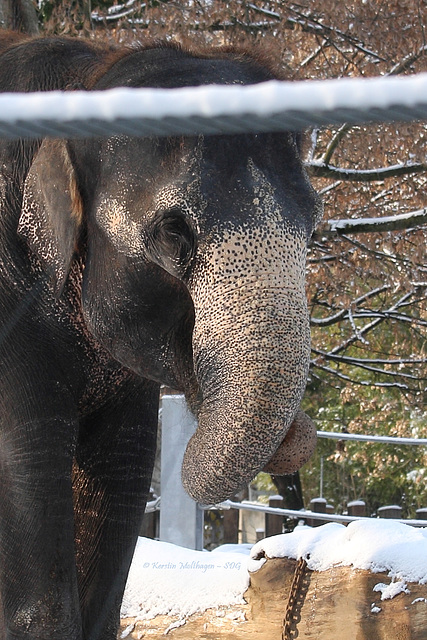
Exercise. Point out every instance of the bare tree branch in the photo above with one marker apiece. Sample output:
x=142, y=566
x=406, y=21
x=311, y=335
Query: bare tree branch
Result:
x=369, y=327
x=398, y=68
x=310, y=24
x=394, y=258
x=371, y=361
x=392, y=315
x=367, y=364
x=330, y=320
x=407, y=61
x=371, y=225
x=313, y=55
x=364, y=383
x=336, y=139
x=324, y=170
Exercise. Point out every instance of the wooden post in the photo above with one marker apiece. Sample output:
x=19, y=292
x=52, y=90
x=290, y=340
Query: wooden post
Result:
x=149, y=527
x=150, y=523
x=273, y=523
x=260, y=534
x=356, y=508
x=231, y=524
x=390, y=511
x=318, y=505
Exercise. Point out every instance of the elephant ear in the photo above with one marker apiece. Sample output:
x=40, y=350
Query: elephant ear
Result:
x=52, y=210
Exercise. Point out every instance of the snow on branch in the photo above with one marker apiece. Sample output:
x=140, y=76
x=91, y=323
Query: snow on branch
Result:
x=369, y=225
x=117, y=12
x=324, y=170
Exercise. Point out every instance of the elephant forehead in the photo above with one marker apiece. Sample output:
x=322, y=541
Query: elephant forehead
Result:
x=265, y=202
x=261, y=247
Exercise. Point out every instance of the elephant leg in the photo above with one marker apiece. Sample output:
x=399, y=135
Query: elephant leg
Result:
x=38, y=578
x=112, y=474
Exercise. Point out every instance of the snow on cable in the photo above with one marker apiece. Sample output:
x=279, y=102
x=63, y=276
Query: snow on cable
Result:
x=268, y=106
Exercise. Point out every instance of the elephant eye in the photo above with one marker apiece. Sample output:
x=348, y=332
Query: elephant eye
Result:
x=173, y=241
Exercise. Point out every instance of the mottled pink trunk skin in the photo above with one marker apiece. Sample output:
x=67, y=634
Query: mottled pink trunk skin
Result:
x=251, y=346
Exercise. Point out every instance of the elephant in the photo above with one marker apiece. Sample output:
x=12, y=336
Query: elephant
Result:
x=127, y=263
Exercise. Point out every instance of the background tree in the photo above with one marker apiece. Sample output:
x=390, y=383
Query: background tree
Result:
x=366, y=282
x=19, y=15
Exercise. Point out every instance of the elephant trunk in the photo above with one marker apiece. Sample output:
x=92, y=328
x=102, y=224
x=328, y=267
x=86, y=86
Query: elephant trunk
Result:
x=251, y=348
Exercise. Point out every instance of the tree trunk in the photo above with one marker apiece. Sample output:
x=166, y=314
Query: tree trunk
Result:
x=289, y=487
x=27, y=17
x=6, y=14
x=19, y=15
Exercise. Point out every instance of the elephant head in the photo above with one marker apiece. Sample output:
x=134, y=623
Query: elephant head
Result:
x=194, y=252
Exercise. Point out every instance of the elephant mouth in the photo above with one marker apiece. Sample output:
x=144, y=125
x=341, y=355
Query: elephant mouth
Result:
x=296, y=448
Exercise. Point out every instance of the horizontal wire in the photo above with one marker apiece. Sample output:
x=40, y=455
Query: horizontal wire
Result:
x=213, y=109
x=367, y=438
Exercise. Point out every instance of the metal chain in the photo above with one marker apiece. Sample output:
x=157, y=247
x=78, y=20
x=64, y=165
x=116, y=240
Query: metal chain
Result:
x=295, y=602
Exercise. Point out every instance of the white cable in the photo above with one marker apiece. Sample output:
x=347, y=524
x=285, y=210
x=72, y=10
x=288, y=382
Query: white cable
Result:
x=268, y=106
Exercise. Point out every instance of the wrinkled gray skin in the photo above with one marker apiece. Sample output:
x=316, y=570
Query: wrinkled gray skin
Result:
x=220, y=226
x=126, y=263
x=249, y=214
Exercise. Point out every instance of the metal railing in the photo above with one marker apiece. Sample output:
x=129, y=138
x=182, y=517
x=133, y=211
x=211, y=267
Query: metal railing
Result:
x=366, y=438
x=304, y=514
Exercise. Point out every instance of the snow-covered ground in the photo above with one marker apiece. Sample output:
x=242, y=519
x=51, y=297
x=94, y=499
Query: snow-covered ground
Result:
x=166, y=579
